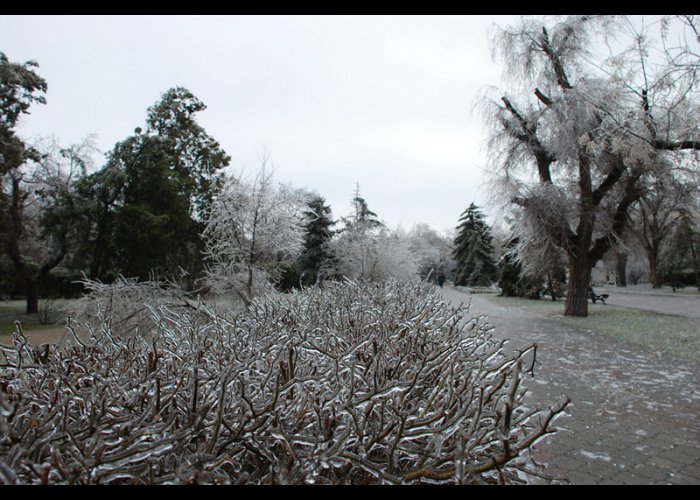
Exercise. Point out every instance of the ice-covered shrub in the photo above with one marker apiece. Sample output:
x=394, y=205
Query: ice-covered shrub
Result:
x=122, y=308
x=349, y=384
x=51, y=311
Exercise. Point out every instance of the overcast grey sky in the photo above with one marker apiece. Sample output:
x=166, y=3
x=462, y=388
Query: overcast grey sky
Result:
x=383, y=101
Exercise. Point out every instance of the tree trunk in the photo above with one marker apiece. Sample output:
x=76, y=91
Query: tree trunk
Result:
x=621, y=269
x=32, y=296
x=695, y=263
x=550, y=287
x=32, y=280
x=654, y=277
x=247, y=293
x=577, y=288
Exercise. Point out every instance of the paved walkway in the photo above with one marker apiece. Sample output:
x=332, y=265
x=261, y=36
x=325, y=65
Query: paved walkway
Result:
x=635, y=413
x=660, y=301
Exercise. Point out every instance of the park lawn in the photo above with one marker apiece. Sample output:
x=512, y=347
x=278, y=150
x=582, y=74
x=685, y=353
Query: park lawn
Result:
x=13, y=310
x=675, y=335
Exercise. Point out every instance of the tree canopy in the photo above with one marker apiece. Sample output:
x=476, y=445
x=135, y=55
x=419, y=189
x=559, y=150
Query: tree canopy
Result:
x=20, y=87
x=150, y=200
x=254, y=229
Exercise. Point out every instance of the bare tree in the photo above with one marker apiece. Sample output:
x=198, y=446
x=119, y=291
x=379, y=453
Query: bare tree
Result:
x=656, y=215
x=570, y=160
x=367, y=250
x=375, y=255
x=253, y=229
x=433, y=251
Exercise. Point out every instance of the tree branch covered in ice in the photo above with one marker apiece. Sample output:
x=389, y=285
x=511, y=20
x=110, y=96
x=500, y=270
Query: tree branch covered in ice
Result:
x=350, y=384
x=375, y=255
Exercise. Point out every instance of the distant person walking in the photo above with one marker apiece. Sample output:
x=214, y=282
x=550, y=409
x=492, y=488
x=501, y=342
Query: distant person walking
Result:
x=441, y=280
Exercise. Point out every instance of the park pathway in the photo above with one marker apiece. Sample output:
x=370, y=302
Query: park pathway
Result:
x=687, y=305
x=635, y=413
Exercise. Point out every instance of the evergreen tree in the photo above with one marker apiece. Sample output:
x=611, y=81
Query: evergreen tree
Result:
x=680, y=259
x=196, y=159
x=20, y=87
x=473, y=250
x=317, y=259
x=100, y=194
x=509, y=270
x=153, y=228
x=148, y=204
x=362, y=219
x=512, y=281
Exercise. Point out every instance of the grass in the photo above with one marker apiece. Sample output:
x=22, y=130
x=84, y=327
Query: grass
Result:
x=14, y=310
x=675, y=335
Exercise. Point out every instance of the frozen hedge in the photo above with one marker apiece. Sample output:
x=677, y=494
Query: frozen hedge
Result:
x=349, y=384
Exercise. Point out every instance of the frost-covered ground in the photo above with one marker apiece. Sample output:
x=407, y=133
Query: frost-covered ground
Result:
x=634, y=412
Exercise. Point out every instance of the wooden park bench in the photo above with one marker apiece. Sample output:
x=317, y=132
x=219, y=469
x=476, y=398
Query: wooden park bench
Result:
x=594, y=297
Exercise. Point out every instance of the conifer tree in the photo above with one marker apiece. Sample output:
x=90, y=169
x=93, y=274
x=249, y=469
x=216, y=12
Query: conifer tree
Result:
x=20, y=87
x=362, y=218
x=473, y=250
x=317, y=258
x=148, y=205
x=512, y=281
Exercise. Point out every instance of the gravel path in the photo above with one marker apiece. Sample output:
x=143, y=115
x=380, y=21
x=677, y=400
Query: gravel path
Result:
x=634, y=417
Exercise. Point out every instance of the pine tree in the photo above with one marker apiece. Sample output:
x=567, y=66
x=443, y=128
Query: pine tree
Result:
x=20, y=87
x=363, y=218
x=317, y=259
x=679, y=259
x=473, y=251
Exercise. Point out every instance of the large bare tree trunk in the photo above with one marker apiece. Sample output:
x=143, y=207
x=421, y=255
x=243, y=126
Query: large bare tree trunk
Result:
x=32, y=296
x=654, y=277
x=579, y=282
x=621, y=269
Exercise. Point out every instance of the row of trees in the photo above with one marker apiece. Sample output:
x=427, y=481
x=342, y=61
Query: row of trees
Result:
x=663, y=242
x=592, y=154
x=140, y=214
x=476, y=264
x=162, y=206
x=261, y=234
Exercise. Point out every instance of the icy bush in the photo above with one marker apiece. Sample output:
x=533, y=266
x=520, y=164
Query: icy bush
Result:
x=349, y=384
x=124, y=307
